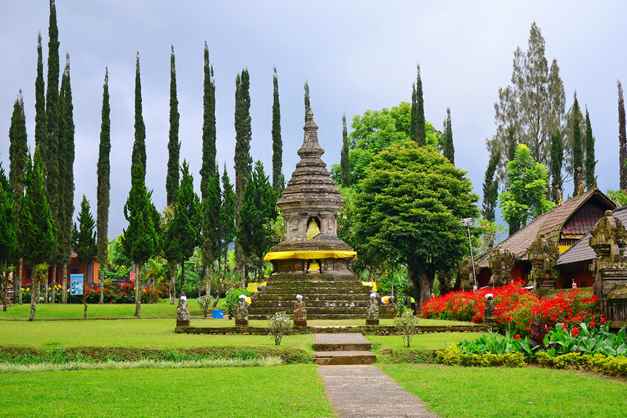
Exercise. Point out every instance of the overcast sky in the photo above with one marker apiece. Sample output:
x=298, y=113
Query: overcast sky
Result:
x=357, y=55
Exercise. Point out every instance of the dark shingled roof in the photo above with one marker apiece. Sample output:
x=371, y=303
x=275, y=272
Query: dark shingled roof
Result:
x=582, y=250
x=544, y=225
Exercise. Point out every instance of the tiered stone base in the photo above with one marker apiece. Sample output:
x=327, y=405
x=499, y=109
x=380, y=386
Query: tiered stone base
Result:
x=326, y=296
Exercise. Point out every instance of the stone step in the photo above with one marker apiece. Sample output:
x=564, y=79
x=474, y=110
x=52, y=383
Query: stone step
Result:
x=354, y=310
x=308, y=293
x=348, y=341
x=359, y=315
x=265, y=303
x=315, y=286
x=329, y=358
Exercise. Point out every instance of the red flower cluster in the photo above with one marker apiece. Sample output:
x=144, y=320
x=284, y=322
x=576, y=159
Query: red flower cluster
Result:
x=516, y=308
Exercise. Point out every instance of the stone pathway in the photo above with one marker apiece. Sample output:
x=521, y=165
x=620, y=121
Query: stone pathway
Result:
x=365, y=391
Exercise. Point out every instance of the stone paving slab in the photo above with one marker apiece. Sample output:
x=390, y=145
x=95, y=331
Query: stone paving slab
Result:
x=365, y=391
x=340, y=339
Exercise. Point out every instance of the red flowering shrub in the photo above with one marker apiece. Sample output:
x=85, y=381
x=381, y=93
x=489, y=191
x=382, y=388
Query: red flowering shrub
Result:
x=517, y=309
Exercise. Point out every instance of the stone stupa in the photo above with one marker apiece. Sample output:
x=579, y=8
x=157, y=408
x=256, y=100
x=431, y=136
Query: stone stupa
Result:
x=311, y=260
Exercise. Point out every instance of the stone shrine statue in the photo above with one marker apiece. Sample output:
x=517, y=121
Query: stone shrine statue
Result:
x=372, y=317
x=182, y=312
x=241, y=312
x=300, y=312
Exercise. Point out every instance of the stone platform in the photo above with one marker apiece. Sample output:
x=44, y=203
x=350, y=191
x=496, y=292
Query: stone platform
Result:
x=326, y=296
x=342, y=349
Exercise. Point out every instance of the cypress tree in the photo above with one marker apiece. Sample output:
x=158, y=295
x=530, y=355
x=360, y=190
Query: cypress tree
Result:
x=36, y=229
x=40, y=99
x=448, y=147
x=174, y=146
x=210, y=180
x=104, y=185
x=85, y=245
x=257, y=212
x=345, y=165
x=50, y=150
x=622, y=139
x=307, y=99
x=18, y=148
x=557, y=161
x=65, y=163
x=141, y=239
x=8, y=235
x=243, y=160
x=490, y=184
x=278, y=181
x=412, y=120
x=590, y=163
x=420, y=111
x=227, y=217
x=183, y=231
x=578, y=151
x=208, y=168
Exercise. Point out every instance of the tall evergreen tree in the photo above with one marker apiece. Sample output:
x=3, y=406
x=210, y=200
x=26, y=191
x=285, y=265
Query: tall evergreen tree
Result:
x=8, y=235
x=557, y=161
x=578, y=150
x=140, y=238
x=65, y=163
x=490, y=183
x=257, y=212
x=243, y=160
x=40, y=99
x=104, y=182
x=18, y=148
x=448, y=148
x=622, y=139
x=85, y=246
x=182, y=234
x=590, y=163
x=345, y=164
x=36, y=229
x=278, y=181
x=174, y=145
x=210, y=177
x=412, y=120
x=227, y=217
x=420, y=111
x=50, y=150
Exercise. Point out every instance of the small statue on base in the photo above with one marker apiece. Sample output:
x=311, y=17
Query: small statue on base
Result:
x=182, y=312
x=372, y=317
x=241, y=312
x=490, y=303
x=300, y=312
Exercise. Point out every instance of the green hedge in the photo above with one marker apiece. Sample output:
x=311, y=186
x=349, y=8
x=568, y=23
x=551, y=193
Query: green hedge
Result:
x=59, y=354
x=405, y=355
x=454, y=356
x=610, y=365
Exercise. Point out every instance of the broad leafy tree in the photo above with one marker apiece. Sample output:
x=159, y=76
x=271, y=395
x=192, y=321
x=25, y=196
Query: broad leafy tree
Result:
x=524, y=197
x=409, y=209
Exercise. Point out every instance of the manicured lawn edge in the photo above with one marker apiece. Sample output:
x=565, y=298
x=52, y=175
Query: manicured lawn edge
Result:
x=59, y=354
x=382, y=330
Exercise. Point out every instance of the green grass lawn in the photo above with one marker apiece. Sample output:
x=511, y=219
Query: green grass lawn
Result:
x=464, y=392
x=428, y=341
x=294, y=391
x=149, y=333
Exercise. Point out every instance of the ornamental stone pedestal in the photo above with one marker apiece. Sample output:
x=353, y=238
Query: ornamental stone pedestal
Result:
x=608, y=240
x=311, y=260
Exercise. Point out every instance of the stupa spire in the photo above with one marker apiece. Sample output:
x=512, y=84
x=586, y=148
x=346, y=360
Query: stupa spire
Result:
x=311, y=147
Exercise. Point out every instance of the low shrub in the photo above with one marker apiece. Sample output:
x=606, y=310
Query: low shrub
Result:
x=232, y=298
x=610, y=365
x=454, y=356
x=582, y=338
x=280, y=325
x=406, y=356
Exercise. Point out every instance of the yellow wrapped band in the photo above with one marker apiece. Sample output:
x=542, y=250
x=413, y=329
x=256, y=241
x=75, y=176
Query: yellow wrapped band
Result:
x=309, y=255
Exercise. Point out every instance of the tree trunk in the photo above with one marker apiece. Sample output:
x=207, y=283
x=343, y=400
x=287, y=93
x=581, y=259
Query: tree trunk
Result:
x=426, y=284
x=101, y=281
x=5, y=289
x=421, y=280
x=55, y=271
x=182, y=276
x=47, y=283
x=17, y=288
x=138, y=296
x=64, y=284
x=85, y=287
x=34, y=294
x=172, y=272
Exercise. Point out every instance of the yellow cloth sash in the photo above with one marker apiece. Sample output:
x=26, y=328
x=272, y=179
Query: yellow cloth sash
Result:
x=309, y=254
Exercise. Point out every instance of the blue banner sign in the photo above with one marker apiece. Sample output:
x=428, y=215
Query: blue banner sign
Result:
x=76, y=284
